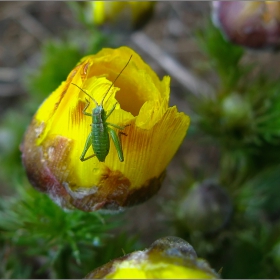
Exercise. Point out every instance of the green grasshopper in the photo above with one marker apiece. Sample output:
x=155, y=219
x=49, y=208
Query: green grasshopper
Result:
x=98, y=138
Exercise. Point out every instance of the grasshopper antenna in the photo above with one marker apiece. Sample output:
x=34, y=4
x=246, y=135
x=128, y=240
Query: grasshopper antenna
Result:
x=114, y=81
x=86, y=94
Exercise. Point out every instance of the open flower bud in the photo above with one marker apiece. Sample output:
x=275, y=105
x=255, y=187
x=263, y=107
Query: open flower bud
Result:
x=57, y=136
x=254, y=24
x=206, y=208
x=125, y=14
x=167, y=258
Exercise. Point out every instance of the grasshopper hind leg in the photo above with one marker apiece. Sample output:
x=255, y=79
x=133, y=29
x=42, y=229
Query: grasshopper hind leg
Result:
x=117, y=142
x=87, y=145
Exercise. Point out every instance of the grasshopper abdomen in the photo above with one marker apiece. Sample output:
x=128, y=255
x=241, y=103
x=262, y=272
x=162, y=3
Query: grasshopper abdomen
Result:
x=100, y=136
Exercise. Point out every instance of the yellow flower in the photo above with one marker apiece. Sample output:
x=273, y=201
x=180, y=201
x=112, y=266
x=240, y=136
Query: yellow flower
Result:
x=167, y=258
x=56, y=137
x=134, y=13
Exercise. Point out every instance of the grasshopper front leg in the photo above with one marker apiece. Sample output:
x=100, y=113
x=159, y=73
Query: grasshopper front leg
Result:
x=84, y=110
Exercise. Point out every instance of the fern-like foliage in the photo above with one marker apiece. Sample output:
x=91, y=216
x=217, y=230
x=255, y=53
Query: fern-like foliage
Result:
x=68, y=243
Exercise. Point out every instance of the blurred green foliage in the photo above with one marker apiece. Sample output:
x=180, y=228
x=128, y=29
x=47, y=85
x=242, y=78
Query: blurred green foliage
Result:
x=12, y=127
x=70, y=243
x=242, y=119
x=58, y=58
x=223, y=56
x=244, y=115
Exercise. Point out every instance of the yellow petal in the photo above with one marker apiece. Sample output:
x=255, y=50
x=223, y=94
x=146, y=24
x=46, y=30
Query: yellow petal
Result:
x=167, y=258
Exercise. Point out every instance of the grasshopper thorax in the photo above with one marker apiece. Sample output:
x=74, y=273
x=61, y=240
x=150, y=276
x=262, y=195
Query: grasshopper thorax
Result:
x=98, y=110
x=98, y=114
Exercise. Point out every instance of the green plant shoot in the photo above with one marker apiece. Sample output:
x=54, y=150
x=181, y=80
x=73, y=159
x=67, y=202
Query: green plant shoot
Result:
x=98, y=138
